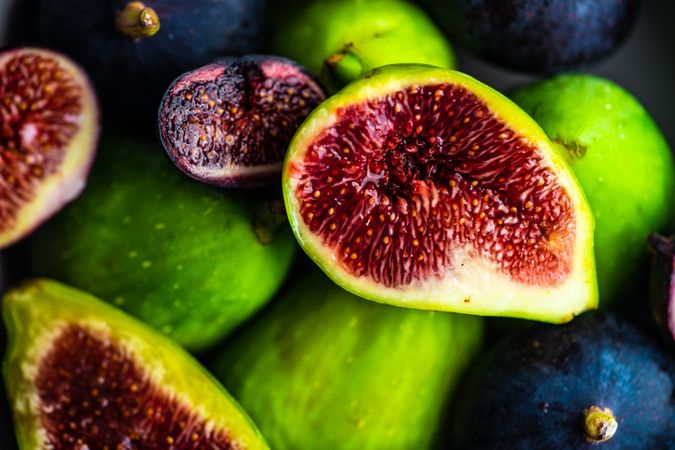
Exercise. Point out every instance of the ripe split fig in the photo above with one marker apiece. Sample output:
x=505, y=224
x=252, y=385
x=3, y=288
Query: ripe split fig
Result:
x=662, y=289
x=229, y=123
x=194, y=261
x=424, y=188
x=322, y=369
x=49, y=126
x=82, y=374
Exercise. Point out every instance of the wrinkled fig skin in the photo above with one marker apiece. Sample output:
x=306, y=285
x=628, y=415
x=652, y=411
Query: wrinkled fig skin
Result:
x=191, y=260
x=537, y=35
x=534, y=390
x=131, y=75
x=323, y=369
x=662, y=294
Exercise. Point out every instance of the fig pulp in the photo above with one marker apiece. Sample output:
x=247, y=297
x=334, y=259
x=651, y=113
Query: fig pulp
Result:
x=191, y=260
x=229, y=123
x=133, y=49
x=322, y=369
x=622, y=161
x=49, y=126
x=424, y=188
x=662, y=291
x=340, y=40
x=81, y=374
x=597, y=382
x=538, y=35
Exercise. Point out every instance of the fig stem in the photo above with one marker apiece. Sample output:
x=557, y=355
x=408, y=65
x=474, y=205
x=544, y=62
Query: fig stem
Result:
x=600, y=424
x=136, y=21
x=342, y=67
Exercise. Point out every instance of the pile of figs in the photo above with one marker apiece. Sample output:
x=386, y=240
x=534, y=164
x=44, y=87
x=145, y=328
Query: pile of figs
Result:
x=254, y=224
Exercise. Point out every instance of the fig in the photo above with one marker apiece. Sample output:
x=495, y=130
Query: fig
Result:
x=322, y=369
x=538, y=35
x=340, y=40
x=597, y=382
x=229, y=123
x=662, y=290
x=133, y=49
x=609, y=138
x=422, y=187
x=49, y=126
x=82, y=374
x=191, y=260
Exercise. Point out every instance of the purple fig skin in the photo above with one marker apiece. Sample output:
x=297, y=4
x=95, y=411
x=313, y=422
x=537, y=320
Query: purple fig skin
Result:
x=662, y=287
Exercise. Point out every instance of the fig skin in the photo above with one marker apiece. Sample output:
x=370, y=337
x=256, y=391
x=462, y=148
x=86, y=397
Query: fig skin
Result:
x=622, y=162
x=37, y=309
x=532, y=391
x=132, y=74
x=577, y=294
x=184, y=257
x=323, y=369
x=43, y=196
x=340, y=40
x=538, y=36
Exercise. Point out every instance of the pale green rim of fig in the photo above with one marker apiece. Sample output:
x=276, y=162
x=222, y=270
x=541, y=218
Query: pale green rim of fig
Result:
x=557, y=304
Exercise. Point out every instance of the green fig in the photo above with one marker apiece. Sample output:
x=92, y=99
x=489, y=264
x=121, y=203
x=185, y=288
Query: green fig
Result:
x=323, y=369
x=340, y=40
x=192, y=261
x=623, y=163
x=81, y=374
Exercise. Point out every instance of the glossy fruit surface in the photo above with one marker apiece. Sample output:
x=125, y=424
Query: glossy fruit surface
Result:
x=598, y=382
x=340, y=40
x=229, y=123
x=191, y=260
x=323, y=369
x=455, y=201
x=49, y=127
x=538, y=35
x=81, y=374
x=623, y=163
x=134, y=49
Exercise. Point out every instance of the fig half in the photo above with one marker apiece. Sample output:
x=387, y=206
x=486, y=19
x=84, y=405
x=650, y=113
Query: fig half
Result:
x=49, y=127
x=82, y=375
x=662, y=286
x=424, y=188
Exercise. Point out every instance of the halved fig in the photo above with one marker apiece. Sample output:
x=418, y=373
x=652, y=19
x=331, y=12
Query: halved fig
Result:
x=229, y=123
x=49, y=127
x=81, y=374
x=662, y=288
x=424, y=188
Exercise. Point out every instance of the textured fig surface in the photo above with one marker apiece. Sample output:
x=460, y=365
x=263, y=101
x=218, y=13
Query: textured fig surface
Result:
x=230, y=122
x=48, y=133
x=92, y=392
x=424, y=180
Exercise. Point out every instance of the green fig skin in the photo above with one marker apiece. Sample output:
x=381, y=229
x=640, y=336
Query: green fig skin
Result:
x=367, y=33
x=181, y=256
x=324, y=369
x=623, y=163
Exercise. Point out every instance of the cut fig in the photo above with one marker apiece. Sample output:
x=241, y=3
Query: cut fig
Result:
x=662, y=289
x=229, y=123
x=424, y=188
x=81, y=374
x=49, y=127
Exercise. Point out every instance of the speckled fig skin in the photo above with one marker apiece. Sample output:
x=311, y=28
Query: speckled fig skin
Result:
x=191, y=260
x=623, y=163
x=535, y=390
x=79, y=371
x=323, y=369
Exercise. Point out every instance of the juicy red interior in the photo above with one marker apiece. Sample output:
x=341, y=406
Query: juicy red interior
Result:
x=399, y=183
x=92, y=394
x=237, y=112
x=40, y=105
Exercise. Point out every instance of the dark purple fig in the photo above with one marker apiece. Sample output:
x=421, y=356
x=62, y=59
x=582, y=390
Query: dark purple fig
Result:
x=229, y=123
x=662, y=294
